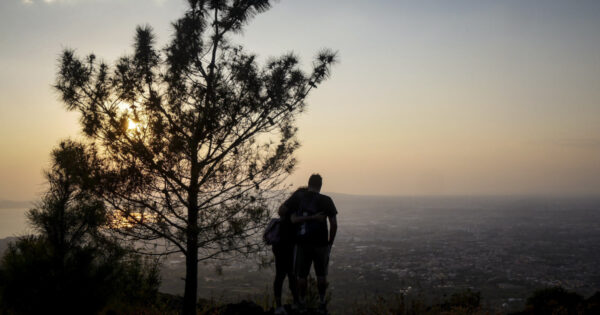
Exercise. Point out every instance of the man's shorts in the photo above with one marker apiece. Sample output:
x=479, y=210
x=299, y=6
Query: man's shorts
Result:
x=305, y=255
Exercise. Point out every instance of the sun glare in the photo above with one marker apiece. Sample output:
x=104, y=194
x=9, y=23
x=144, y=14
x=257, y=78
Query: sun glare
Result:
x=122, y=220
x=133, y=125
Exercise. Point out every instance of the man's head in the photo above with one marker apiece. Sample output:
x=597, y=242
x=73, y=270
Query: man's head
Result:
x=315, y=182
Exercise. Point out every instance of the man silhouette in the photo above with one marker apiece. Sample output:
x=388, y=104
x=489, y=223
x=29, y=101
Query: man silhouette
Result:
x=313, y=241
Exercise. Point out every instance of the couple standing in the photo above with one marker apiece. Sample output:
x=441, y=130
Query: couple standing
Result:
x=304, y=240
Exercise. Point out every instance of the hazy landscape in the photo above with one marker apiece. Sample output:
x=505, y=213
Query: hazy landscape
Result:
x=462, y=137
x=504, y=247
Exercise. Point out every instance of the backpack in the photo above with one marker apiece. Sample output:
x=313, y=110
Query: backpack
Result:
x=272, y=236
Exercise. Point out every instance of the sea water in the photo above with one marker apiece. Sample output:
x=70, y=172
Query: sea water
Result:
x=13, y=222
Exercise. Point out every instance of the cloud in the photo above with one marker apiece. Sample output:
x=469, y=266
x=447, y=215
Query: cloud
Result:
x=30, y=2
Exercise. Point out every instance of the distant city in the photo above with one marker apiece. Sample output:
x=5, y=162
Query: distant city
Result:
x=428, y=247
x=504, y=247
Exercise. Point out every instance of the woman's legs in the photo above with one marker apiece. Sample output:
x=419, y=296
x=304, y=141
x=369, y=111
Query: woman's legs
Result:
x=278, y=285
x=284, y=266
x=293, y=283
x=280, y=272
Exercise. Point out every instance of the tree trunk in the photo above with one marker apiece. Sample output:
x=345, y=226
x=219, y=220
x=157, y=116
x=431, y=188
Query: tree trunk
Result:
x=191, y=277
x=190, y=295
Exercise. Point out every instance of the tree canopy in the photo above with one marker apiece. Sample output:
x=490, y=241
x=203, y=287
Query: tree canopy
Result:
x=193, y=137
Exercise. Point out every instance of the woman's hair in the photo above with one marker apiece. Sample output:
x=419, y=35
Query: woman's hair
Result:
x=302, y=188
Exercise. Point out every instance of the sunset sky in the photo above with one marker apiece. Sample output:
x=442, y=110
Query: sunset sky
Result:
x=430, y=97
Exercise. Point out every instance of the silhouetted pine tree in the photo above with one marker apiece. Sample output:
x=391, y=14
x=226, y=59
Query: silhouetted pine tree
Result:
x=70, y=267
x=192, y=137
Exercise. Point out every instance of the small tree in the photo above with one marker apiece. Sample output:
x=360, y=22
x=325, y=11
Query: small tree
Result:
x=69, y=267
x=193, y=137
x=69, y=216
x=555, y=300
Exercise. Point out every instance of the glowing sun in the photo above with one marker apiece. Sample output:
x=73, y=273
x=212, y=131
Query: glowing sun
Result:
x=132, y=125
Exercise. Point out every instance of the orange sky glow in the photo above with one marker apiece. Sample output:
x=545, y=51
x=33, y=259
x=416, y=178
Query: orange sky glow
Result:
x=429, y=97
